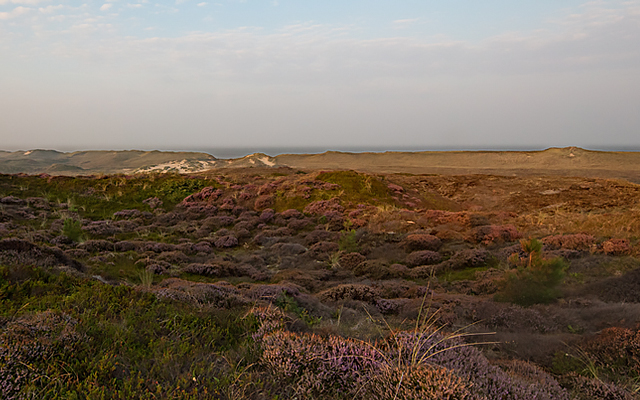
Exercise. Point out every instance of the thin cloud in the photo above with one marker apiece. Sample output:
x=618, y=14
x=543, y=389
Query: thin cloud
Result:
x=403, y=23
x=23, y=2
x=106, y=6
x=16, y=12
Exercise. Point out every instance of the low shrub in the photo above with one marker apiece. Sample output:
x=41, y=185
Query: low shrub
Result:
x=418, y=383
x=72, y=229
x=616, y=247
x=423, y=257
x=488, y=234
x=350, y=292
x=422, y=242
x=576, y=241
x=535, y=280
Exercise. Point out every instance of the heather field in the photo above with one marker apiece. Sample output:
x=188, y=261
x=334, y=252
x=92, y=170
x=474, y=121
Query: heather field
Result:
x=285, y=283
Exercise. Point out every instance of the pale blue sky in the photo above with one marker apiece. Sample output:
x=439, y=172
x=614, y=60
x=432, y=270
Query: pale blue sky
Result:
x=327, y=73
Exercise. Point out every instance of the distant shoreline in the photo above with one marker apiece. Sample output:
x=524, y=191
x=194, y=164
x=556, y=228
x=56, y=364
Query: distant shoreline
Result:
x=227, y=153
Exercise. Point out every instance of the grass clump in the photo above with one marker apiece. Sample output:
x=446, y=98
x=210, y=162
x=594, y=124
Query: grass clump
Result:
x=358, y=188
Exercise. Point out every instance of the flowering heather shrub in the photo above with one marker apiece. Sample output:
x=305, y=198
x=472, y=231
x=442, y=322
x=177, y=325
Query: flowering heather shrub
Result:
x=411, y=364
x=126, y=226
x=246, y=195
x=101, y=228
x=220, y=296
x=616, y=349
x=417, y=383
x=156, y=247
x=323, y=207
x=291, y=213
x=374, y=269
x=288, y=249
x=246, y=225
x=423, y=271
x=283, y=231
x=29, y=345
x=270, y=319
x=205, y=269
x=268, y=188
x=516, y=318
x=350, y=292
x=577, y=241
x=420, y=241
x=470, y=258
x=313, y=366
x=173, y=257
x=595, y=389
x=228, y=204
x=22, y=252
x=487, y=381
x=208, y=194
x=263, y=201
x=12, y=200
x=95, y=246
x=300, y=224
x=617, y=247
x=158, y=268
x=218, y=221
x=169, y=219
x=390, y=306
x=224, y=269
x=321, y=235
x=351, y=260
x=199, y=210
x=127, y=214
x=358, y=223
x=488, y=234
x=322, y=250
x=335, y=221
x=226, y=242
x=423, y=257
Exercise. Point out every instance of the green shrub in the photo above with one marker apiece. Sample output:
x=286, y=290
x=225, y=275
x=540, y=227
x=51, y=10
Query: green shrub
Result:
x=72, y=229
x=536, y=279
x=348, y=242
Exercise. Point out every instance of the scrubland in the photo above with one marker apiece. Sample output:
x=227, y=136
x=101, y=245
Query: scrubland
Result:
x=258, y=283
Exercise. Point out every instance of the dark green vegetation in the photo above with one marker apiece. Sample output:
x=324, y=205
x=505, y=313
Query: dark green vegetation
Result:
x=67, y=337
x=536, y=280
x=318, y=285
x=99, y=198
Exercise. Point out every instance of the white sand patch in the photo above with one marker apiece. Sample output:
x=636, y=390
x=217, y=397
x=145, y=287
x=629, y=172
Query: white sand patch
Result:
x=265, y=161
x=27, y=152
x=183, y=166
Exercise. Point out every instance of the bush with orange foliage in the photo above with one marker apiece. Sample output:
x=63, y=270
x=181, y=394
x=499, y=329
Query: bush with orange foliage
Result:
x=576, y=241
x=617, y=247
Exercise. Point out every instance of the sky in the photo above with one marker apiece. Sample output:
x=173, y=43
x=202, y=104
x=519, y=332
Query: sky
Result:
x=333, y=74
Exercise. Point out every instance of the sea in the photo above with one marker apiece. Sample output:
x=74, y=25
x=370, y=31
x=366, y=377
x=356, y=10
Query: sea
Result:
x=239, y=152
